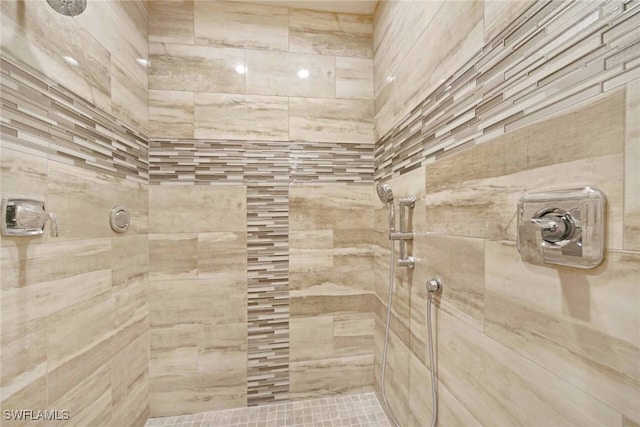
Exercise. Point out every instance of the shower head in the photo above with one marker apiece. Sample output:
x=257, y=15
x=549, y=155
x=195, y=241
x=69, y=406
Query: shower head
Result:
x=68, y=7
x=385, y=193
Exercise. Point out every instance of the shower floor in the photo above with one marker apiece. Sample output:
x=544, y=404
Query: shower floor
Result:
x=340, y=411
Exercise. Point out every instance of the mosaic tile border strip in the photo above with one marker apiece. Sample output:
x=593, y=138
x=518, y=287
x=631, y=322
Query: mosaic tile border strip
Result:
x=267, y=176
x=42, y=117
x=212, y=162
x=556, y=54
x=357, y=410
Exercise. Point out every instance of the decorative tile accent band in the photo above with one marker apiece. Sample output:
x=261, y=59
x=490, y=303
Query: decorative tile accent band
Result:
x=42, y=117
x=211, y=162
x=556, y=54
x=267, y=176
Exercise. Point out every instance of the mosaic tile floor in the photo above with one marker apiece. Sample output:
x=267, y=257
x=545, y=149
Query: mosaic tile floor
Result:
x=342, y=411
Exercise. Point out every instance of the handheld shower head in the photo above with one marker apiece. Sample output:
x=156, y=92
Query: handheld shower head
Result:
x=68, y=7
x=386, y=197
x=384, y=193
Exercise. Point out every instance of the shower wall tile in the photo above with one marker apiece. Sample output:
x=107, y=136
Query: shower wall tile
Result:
x=195, y=68
x=201, y=209
x=632, y=175
x=536, y=395
x=241, y=25
x=129, y=96
x=330, y=33
x=82, y=199
x=354, y=78
x=330, y=120
x=499, y=14
x=573, y=350
x=171, y=22
x=222, y=116
x=274, y=73
x=37, y=35
x=171, y=114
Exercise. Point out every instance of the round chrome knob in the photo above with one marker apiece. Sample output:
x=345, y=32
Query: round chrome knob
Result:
x=119, y=219
x=434, y=285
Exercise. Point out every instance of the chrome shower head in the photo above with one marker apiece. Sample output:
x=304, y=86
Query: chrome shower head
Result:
x=68, y=7
x=384, y=193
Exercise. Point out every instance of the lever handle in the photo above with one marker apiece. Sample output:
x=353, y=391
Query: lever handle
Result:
x=53, y=221
x=530, y=242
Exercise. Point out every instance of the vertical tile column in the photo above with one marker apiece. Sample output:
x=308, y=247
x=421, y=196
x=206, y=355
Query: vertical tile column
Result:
x=267, y=178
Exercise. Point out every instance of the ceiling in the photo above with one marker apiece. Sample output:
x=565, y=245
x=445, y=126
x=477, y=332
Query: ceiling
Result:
x=361, y=7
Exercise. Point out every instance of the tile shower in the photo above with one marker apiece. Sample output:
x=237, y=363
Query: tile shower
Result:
x=251, y=286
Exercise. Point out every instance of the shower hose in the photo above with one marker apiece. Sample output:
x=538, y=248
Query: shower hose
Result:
x=434, y=390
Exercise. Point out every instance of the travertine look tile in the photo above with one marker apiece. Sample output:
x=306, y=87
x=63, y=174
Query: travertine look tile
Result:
x=129, y=96
x=330, y=33
x=223, y=348
x=82, y=199
x=535, y=396
x=226, y=116
x=498, y=14
x=38, y=263
x=450, y=41
x=173, y=256
x=459, y=262
x=330, y=376
x=89, y=402
x=310, y=338
x=200, y=209
x=171, y=114
x=632, y=172
x=171, y=21
x=354, y=78
x=34, y=33
x=24, y=372
x=222, y=256
x=59, y=298
x=241, y=25
x=310, y=250
x=450, y=411
x=335, y=120
x=569, y=322
x=276, y=73
x=196, y=68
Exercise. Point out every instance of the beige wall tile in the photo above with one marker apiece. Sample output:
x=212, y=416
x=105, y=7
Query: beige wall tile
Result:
x=479, y=375
x=459, y=262
x=24, y=368
x=354, y=78
x=34, y=33
x=82, y=199
x=632, y=172
x=311, y=379
x=173, y=256
x=129, y=96
x=227, y=116
x=276, y=73
x=323, y=207
x=310, y=338
x=171, y=114
x=223, y=348
x=569, y=322
x=327, y=120
x=241, y=25
x=37, y=263
x=450, y=41
x=499, y=14
x=222, y=256
x=195, y=68
x=171, y=21
x=59, y=298
x=330, y=33
x=187, y=394
x=310, y=250
x=89, y=403
x=200, y=209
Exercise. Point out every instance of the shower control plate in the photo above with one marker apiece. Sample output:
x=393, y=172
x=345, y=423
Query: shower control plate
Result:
x=564, y=227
